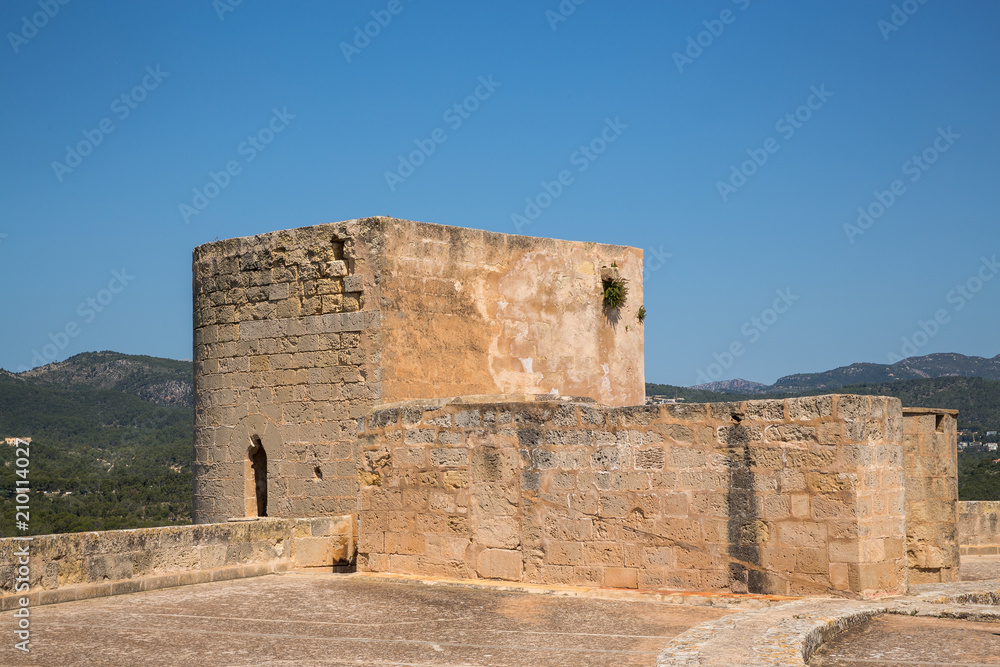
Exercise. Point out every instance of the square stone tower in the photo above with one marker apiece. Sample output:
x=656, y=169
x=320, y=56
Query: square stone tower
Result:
x=300, y=333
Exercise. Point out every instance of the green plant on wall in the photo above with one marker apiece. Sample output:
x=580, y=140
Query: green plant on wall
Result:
x=615, y=292
x=641, y=315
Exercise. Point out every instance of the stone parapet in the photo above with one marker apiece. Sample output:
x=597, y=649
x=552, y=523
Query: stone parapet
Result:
x=73, y=566
x=979, y=527
x=795, y=496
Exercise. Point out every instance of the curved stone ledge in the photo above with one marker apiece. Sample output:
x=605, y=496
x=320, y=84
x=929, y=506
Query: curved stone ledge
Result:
x=787, y=635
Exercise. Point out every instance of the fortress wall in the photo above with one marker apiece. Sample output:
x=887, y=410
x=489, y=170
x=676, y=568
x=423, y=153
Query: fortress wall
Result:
x=979, y=527
x=472, y=312
x=75, y=566
x=930, y=438
x=796, y=496
x=299, y=333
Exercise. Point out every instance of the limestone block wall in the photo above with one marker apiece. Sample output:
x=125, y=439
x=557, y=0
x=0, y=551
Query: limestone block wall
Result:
x=796, y=496
x=930, y=439
x=979, y=527
x=74, y=566
x=299, y=333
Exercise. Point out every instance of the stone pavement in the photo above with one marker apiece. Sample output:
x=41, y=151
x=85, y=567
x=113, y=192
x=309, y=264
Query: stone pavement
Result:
x=892, y=640
x=790, y=633
x=325, y=619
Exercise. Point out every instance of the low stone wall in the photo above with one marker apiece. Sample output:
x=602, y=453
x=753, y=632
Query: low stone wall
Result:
x=73, y=566
x=979, y=527
x=930, y=439
x=796, y=496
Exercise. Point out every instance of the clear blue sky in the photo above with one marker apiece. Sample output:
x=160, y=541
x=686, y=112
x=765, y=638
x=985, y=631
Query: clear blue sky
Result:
x=683, y=123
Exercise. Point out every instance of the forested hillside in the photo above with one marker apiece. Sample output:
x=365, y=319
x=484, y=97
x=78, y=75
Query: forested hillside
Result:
x=99, y=458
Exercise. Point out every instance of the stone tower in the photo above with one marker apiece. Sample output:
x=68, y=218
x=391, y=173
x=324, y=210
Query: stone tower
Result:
x=300, y=333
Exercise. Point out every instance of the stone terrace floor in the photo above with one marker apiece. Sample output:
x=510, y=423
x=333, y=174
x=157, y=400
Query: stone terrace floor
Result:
x=892, y=640
x=329, y=619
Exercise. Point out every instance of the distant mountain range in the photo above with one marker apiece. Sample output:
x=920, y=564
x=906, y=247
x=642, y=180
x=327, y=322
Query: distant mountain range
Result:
x=737, y=386
x=946, y=364
x=160, y=381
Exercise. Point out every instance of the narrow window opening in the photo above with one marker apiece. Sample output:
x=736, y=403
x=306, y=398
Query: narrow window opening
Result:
x=258, y=463
x=939, y=423
x=318, y=472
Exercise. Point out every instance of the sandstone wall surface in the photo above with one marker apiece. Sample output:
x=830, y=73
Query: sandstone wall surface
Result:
x=471, y=312
x=796, y=496
x=979, y=527
x=74, y=566
x=931, y=457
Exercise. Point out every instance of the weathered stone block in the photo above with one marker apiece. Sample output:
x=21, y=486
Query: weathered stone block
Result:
x=621, y=577
x=499, y=564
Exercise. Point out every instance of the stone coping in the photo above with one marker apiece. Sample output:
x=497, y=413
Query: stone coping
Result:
x=787, y=635
x=140, y=584
x=482, y=399
x=929, y=411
